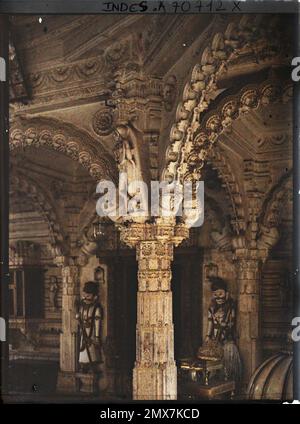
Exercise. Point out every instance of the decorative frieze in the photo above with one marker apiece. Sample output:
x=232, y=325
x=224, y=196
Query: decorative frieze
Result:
x=50, y=134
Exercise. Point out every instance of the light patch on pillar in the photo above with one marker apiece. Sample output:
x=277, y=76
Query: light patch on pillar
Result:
x=2, y=70
x=2, y=330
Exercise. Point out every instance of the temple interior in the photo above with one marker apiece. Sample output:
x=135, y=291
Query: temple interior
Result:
x=190, y=98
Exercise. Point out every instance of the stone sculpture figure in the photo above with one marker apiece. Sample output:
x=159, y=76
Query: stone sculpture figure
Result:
x=221, y=313
x=89, y=318
x=132, y=156
x=53, y=292
x=128, y=153
x=221, y=331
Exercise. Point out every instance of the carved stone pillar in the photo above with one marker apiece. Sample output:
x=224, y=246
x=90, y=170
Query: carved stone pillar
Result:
x=155, y=373
x=68, y=339
x=249, y=315
x=250, y=258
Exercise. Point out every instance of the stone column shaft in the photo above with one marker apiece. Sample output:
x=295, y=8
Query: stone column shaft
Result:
x=68, y=337
x=155, y=374
x=249, y=316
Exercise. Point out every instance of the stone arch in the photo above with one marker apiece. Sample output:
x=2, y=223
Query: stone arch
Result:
x=248, y=33
x=226, y=174
x=202, y=137
x=221, y=233
x=65, y=138
x=22, y=183
x=273, y=205
x=268, y=233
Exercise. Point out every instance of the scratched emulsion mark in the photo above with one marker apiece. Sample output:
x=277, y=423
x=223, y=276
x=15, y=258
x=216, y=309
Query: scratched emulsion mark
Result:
x=2, y=79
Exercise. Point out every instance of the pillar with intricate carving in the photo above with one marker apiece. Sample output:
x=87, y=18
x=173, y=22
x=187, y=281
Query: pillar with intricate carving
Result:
x=250, y=258
x=249, y=314
x=68, y=338
x=155, y=373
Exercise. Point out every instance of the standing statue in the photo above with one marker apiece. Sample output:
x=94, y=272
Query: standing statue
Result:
x=221, y=313
x=132, y=155
x=53, y=292
x=221, y=330
x=89, y=318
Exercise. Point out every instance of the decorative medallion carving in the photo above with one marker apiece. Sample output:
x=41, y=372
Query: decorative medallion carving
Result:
x=115, y=53
x=103, y=122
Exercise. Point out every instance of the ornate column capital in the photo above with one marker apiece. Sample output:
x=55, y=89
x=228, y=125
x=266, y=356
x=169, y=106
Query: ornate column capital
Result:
x=135, y=96
x=60, y=261
x=163, y=231
x=243, y=253
x=65, y=261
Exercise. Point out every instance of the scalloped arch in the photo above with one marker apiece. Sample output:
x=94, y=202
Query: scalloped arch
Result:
x=64, y=138
x=273, y=205
x=247, y=33
x=22, y=183
x=204, y=136
x=226, y=174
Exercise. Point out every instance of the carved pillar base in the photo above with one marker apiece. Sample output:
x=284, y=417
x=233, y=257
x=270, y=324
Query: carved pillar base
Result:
x=156, y=382
x=67, y=382
x=88, y=382
x=155, y=374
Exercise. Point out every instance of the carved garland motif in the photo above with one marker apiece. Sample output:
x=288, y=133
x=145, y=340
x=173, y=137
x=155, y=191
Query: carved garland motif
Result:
x=57, y=140
x=238, y=36
x=200, y=141
x=84, y=70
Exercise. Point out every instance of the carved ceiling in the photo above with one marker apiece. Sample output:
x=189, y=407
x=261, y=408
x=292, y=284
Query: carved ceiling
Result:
x=64, y=57
x=199, y=89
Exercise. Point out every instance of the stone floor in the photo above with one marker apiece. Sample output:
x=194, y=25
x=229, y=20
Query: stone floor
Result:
x=35, y=382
